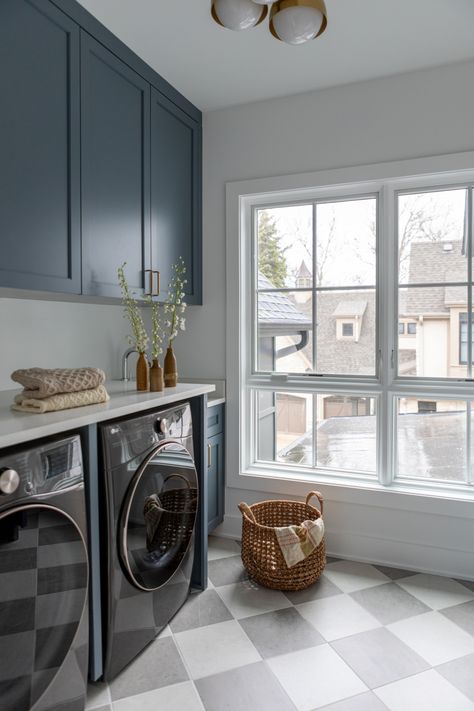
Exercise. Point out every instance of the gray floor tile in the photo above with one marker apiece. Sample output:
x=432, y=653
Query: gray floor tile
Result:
x=244, y=689
x=332, y=559
x=280, y=632
x=394, y=573
x=378, y=657
x=102, y=708
x=460, y=673
x=321, y=588
x=200, y=609
x=226, y=571
x=462, y=615
x=158, y=665
x=362, y=702
x=469, y=584
x=389, y=603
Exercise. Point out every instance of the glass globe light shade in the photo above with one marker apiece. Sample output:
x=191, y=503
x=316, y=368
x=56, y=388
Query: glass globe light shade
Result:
x=296, y=24
x=237, y=14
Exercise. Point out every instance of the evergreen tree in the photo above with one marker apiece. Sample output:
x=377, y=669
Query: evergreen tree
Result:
x=271, y=256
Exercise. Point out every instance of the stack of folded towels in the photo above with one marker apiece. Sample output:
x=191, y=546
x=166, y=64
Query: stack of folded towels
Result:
x=48, y=390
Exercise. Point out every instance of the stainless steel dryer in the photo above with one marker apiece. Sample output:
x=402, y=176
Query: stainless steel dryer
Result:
x=151, y=497
x=43, y=578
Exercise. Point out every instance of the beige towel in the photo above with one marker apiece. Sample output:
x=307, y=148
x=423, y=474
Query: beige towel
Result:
x=298, y=542
x=43, y=382
x=62, y=401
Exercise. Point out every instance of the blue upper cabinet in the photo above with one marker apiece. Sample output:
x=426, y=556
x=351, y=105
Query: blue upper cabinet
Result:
x=39, y=148
x=115, y=126
x=100, y=159
x=175, y=194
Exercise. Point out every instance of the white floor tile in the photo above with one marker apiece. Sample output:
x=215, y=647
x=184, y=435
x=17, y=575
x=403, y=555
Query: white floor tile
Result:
x=246, y=599
x=98, y=694
x=172, y=698
x=222, y=548
x=216, y=648
x=315, y=677
x=165, y=632
x=337, y=616
x=350, y=576
x=435, y=591
x=434, y=637
x=423, y=692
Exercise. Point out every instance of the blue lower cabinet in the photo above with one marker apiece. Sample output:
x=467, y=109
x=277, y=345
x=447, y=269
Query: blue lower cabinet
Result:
x=215, y=481
x=215, y=466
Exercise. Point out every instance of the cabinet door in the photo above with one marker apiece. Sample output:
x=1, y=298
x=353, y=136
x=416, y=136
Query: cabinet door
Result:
x=39, y=148
x=175, y=194
x=215, y=481
x=115, y=118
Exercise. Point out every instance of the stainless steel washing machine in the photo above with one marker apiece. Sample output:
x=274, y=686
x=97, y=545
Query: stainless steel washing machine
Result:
x=151, y=500
x=43, y=578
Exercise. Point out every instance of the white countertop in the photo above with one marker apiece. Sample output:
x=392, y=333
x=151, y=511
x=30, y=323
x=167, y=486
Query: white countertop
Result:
x=18, y=427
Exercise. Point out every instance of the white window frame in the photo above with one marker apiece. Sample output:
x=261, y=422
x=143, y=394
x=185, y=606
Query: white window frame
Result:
x=242, y=199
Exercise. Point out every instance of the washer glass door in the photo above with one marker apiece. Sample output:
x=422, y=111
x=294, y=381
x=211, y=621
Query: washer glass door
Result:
x=43, y=593
x=159, y=513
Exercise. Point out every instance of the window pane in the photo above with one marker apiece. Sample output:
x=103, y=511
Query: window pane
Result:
x=338, y=352
x=285, y=429
x=346, y=433
x=285, y=331
x=431, y=345
x=285, y=246
x=431, y=237
x=431, y=439
x=346, y=243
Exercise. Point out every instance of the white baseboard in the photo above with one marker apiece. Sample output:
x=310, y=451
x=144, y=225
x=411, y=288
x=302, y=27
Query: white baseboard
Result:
x=394, y=552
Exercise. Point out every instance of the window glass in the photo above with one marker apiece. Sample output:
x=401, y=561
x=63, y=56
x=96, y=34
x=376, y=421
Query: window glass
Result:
x=429, y=347
x=343, y=437
x=431, y=439
x=284, y=335
x=336, y=354
x=347, y=329
x=346, y=233
x=401, y=328
x=432, y=237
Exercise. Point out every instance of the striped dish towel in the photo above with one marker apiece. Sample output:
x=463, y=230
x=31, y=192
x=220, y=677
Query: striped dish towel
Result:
x=298, y=542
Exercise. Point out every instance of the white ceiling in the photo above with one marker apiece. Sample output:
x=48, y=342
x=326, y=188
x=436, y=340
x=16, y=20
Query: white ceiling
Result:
x=214, y=67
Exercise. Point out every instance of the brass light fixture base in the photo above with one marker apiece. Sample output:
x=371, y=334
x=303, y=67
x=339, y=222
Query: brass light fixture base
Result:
x=283, y=4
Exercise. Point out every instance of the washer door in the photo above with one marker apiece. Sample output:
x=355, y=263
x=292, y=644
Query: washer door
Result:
x=43, y=592
x=158, y=516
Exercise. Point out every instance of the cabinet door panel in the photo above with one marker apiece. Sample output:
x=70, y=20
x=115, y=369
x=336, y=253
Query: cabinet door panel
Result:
x=39, y=147
x=115, y=171
x=175, y=193
x=215, y=481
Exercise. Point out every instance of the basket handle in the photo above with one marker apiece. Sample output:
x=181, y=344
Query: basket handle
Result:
x=319, y=497
x=247, y=511
x=177, y=476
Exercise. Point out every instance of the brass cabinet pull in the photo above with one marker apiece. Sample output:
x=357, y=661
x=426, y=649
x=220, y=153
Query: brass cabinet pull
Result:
x=157, y=292
x=150, y=283
x=209, y=456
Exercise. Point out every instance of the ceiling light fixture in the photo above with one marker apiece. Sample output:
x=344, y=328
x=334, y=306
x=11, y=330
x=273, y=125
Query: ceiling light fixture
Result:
x=291, y=21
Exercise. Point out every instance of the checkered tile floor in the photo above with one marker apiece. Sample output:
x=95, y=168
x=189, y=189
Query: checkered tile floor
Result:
x=364, y=638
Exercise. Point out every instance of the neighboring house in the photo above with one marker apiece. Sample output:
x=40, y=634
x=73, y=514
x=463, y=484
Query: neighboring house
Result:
x=433, y=320
x=432, y=340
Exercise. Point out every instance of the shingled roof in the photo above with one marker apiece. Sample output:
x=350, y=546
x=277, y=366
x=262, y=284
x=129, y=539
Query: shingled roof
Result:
x=277, y=313
x=432, y=262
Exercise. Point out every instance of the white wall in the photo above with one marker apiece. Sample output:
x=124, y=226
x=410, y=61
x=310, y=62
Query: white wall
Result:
x=420, y=114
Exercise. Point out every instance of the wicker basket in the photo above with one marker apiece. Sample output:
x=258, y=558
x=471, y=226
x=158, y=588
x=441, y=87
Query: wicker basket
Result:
x=261, y=553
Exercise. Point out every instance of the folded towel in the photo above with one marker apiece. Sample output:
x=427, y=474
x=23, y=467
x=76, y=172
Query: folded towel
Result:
x=298, y=542
x=43, y=382
x=62, y=401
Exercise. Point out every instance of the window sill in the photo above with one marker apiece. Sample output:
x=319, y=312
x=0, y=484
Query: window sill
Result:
x=269, y=477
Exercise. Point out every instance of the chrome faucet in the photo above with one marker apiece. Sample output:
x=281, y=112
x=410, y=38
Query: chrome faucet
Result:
x=125, y=377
